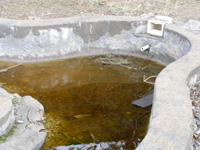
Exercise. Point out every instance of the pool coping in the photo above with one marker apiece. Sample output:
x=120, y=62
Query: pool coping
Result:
x=172, y=101
x=171, y=119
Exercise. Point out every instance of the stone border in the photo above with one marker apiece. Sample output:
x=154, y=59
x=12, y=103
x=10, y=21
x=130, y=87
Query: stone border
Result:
x=6, y=112
x=26, y=122
x=171, y=117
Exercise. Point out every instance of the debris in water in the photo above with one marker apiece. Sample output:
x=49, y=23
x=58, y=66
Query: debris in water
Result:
x=8, y=68
x=82, y=116
x=144, y=101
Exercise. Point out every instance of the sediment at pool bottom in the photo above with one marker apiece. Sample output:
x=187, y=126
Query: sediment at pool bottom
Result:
x=87, y=99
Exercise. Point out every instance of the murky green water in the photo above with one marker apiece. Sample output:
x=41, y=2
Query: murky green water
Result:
x=85, y=100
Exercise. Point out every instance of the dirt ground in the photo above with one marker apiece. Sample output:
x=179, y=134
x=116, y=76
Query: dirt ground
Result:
x=180, y=10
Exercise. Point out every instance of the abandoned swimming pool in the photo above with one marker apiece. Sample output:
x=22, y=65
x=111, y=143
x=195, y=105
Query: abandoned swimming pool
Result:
x=44, y=40
x=86, y=99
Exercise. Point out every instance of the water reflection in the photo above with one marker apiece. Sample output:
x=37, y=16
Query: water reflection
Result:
x=85, y=101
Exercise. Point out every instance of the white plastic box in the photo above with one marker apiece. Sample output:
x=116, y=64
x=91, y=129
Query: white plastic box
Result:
x=155, y=27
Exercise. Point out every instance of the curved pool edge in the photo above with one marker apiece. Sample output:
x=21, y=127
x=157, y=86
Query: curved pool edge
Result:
x=171, y=117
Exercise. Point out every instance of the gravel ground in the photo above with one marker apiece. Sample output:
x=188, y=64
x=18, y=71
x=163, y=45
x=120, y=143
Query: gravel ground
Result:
x=195, y=97
x=180, y=10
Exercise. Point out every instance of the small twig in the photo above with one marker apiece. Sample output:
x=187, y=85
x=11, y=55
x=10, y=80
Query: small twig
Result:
x=127, y=67
x=107, y=63
x=145, y=80
x=8, y=68
x=143, y=115
x=143, y=68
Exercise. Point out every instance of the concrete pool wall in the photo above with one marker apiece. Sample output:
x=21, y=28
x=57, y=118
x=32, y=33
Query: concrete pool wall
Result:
x=171, y=117
x=72, y=37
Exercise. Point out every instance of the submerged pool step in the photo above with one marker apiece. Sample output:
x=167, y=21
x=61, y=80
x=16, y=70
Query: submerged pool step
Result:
x=144, y=101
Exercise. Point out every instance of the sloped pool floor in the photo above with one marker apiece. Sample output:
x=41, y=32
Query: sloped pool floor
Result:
x=85, y=100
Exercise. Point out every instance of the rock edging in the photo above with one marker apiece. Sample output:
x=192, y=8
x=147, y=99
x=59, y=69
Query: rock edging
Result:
x=28, y=127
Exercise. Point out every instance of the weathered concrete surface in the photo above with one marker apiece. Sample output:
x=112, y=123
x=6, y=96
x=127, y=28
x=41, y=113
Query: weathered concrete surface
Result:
x=28, y=134
x=171, y=118
x=6, y=112
x=79, y=36
x=192, y=25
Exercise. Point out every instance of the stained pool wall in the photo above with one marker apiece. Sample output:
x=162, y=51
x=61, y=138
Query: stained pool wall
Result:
x=171, y=118
x=40, y=40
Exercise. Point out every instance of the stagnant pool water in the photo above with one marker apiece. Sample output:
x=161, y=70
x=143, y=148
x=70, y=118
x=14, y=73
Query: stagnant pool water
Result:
x=87, y=99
